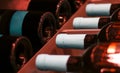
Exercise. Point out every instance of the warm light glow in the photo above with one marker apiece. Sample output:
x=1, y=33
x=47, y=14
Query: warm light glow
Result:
x=107, y=70
x=111, y=48
x=114, y=58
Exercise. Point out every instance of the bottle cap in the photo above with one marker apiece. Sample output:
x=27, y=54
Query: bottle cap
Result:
x=98, y=9
x=52, y=62
x=60, y=40
x=86, y=23
x=70, y=41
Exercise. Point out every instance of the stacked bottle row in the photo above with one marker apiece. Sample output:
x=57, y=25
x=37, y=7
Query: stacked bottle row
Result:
x=101, y=51
x=25, y=31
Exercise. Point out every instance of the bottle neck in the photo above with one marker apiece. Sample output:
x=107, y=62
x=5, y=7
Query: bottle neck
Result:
x=74, y=64
x=114, y=7
x=116, y=15
x=89, y=40
x=103, y=21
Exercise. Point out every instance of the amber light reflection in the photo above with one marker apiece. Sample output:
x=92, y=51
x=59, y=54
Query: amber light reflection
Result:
x=113, y=54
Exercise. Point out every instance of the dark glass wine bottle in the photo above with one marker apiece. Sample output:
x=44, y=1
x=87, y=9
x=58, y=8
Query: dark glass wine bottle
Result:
x=101, y=9
x=99, y=58
x=15, y=52
x=39, y=27
x=78, y=41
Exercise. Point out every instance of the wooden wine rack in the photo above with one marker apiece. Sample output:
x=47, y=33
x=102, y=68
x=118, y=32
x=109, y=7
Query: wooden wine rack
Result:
x=50, y=47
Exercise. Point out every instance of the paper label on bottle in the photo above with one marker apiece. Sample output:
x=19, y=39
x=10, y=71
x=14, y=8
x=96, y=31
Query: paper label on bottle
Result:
x=52, y=62
x=16, y=23
x=86, y=23
x=98, y=9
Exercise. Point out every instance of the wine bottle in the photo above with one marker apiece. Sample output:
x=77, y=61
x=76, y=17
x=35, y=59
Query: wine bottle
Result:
x=39, y=27
x=60, y=8
x=78, y=41
x=90, y=22
x=95, y=22
x=99, y=58
x=110, y=32
x=15, y=52
x=101, y=9
x=56, y=62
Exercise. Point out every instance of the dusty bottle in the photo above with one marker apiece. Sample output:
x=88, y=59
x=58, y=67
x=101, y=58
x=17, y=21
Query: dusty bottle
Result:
x=99, y=58
x=39, y=27
x=78, y=41
x=15, y=52
x=101, y=9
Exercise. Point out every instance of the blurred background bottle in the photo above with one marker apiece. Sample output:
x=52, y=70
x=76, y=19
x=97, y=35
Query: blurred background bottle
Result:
x=60, y=8
x=39, y=27
x=15, y=52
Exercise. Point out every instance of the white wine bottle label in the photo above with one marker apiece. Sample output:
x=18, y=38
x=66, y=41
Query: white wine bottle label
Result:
x=52, y=62
x=70, y=41
x=98, y=9
x=16, y=23
x=85, y=23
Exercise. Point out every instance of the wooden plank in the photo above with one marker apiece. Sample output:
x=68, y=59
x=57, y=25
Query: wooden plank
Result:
x=81, y=31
